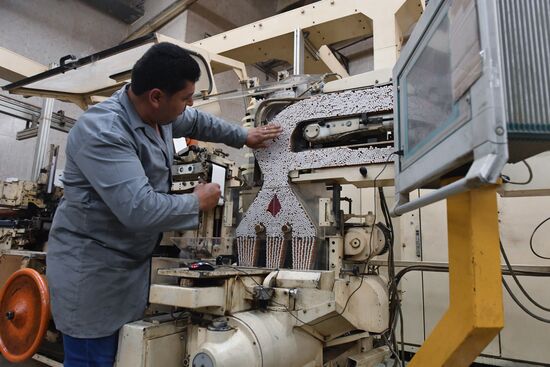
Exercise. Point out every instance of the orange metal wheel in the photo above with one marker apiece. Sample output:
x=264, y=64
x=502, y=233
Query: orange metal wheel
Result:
x=24, y=314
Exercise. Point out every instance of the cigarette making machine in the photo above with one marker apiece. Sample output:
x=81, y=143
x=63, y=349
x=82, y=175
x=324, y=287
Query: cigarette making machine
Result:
x=296, y=281
x=301, y=292
x=291, y=283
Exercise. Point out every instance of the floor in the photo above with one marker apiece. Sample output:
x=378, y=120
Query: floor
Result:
x=30, y=363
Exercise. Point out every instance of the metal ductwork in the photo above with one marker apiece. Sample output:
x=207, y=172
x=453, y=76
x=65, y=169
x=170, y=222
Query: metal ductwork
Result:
x=127, y=11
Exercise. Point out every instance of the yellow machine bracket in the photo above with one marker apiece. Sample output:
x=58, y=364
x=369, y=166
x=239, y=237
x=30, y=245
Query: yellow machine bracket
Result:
x=475, y=315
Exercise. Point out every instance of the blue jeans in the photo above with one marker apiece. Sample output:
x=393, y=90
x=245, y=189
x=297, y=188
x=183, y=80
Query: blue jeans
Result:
x=97, y=352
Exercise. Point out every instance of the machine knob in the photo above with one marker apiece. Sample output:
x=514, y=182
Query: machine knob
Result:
x=355, y=243
x=259, y=228
x=312, y=131
x=286, y=228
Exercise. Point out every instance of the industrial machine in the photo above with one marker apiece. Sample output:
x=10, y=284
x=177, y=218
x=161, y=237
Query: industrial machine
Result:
x=27, y=208
x=26, y=214
x=295, y=267
x=213, y=238
x=302, y=292
x=292, y=267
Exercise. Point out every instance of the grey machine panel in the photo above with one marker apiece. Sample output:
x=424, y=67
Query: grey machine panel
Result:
x=470, y=95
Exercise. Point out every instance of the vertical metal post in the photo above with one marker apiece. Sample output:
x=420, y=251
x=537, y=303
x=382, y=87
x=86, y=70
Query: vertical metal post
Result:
x=42, y=138
x=54, y=153
x=298, y=67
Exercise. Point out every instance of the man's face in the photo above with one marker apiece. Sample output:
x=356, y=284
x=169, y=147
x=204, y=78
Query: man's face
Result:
x=169, y=107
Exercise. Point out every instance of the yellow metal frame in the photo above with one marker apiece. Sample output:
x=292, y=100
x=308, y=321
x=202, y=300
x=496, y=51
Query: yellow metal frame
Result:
x=475, y=315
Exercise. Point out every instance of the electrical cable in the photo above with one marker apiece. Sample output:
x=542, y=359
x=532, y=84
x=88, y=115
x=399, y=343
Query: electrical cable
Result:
x=182, y=314
x=402, y=333
x=531, y=240
x=402, y=272
x=525, y=309
x=445, y=269
x=506, y=179
x=395, y=302
x=395, y=354
x=520, y=286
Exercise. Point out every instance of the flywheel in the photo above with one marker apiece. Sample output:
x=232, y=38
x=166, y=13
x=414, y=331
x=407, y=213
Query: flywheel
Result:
x=24, y=314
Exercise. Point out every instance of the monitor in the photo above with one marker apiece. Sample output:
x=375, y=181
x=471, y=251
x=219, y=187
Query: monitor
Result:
x=471, y=95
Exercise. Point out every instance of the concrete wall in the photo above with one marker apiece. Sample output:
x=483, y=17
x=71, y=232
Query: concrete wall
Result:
x=45, y=31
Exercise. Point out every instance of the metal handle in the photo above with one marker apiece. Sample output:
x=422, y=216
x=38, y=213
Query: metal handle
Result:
x=454, y=188
x=485, y=170
x=65, y=58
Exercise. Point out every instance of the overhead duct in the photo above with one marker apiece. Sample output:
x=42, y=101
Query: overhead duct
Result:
x=127, y=11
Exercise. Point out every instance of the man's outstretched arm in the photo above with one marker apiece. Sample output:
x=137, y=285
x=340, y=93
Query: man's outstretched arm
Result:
x=206, y=127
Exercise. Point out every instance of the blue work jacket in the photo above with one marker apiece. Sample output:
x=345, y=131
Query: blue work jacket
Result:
x=115, y=206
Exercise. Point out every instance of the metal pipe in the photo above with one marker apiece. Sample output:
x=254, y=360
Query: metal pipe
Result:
x=405, y=264
x=43, y=137
x=298, y=64
x=454, y=188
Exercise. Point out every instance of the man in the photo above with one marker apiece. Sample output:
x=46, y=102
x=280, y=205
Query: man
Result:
x=117, y=202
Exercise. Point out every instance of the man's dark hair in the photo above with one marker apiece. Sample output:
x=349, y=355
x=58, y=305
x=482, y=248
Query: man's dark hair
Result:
x=165, y=66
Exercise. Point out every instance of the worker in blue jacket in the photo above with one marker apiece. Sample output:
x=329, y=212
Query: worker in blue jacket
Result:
x=117, y=200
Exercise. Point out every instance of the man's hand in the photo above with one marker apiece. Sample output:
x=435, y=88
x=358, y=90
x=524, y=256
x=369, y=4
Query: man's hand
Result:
x=259, y=136
x=208, y=194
